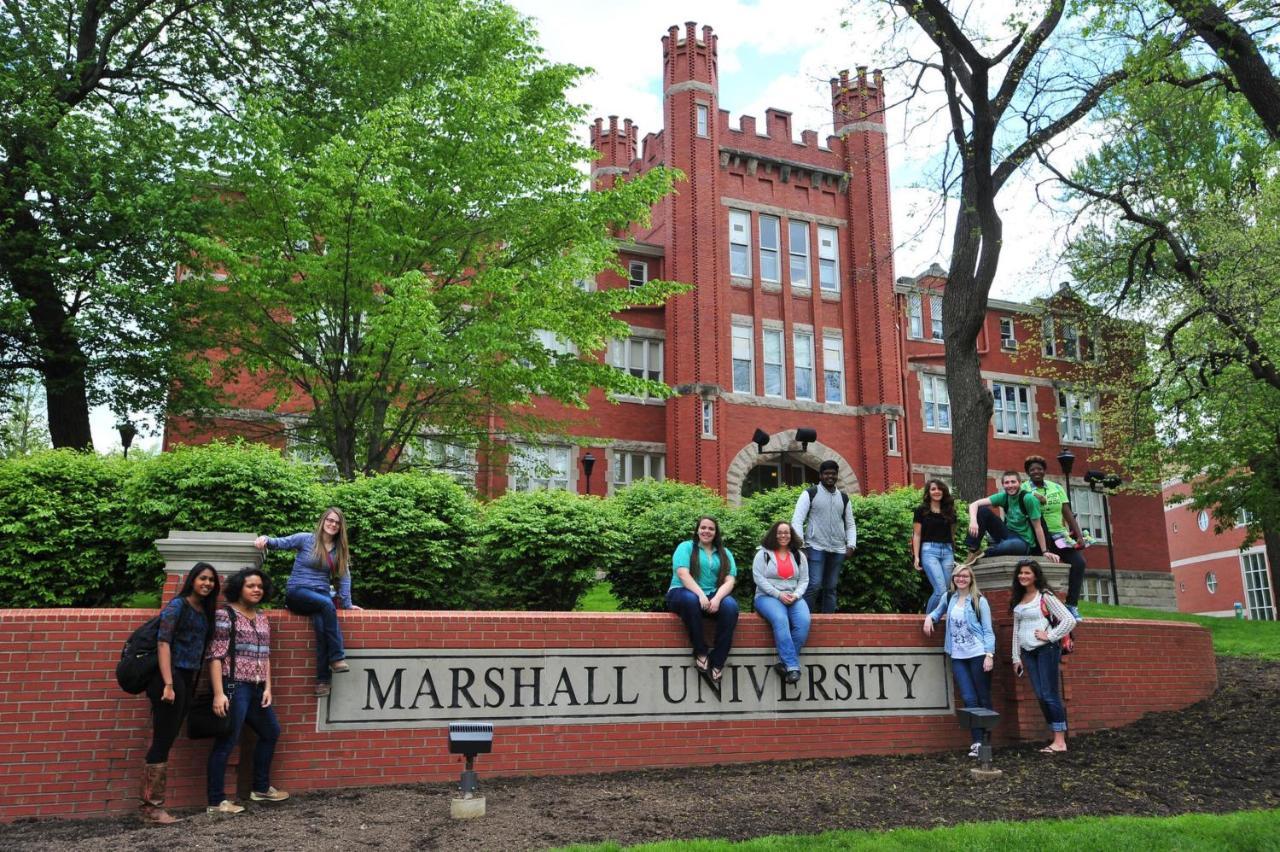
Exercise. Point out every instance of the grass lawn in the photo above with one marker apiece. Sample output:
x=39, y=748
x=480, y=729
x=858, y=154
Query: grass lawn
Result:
x=599, y=598
x=1245, y=830
x=1259, y=640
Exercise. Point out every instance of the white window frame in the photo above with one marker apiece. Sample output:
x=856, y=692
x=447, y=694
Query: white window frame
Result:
x=770, y=255
x=536, y=468
x=708, y=418
x=915, y=316
x=1256, y=582
x=1022, y=410
x=802, y=359
x=891, y=435
x=622, y=350
x=829, y=258
x=935, y=318
x=702, y=117
x=456, y=462
x=1076, y=417
x=739, y=243
x=832, y=368
x=798, y=258
x=635, y=280
x=1008, y=334
x=779, y=367
x=1070, y=341
x=552, y=342
x=935, y=402
x=1050, y=341
x=629, y=467
x=1086, y=505
x=743, y=354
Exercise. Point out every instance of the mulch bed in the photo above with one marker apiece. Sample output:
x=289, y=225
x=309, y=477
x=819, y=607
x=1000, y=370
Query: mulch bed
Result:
x=1221, y=755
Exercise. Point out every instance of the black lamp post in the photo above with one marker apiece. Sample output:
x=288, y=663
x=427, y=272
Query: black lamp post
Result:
x=805, y=435
x=588, y=464
x=127, y=433
x=1066, y=460
x=1104, y=483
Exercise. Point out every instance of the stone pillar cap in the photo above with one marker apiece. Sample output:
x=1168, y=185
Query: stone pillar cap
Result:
x=995, y=573
x=228, y=552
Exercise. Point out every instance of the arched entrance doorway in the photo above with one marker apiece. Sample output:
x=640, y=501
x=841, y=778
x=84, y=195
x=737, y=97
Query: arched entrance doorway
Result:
x=750, y=471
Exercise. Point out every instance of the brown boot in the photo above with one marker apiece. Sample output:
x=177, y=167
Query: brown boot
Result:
x=154, y=778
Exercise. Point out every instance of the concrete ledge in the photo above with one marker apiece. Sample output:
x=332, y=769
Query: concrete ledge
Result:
x=226, y=551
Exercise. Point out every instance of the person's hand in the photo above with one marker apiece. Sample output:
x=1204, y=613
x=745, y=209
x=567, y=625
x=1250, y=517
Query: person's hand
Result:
x=973, y=528
x=928, y=626
x=167, y=696
x=987, y=663
x=220, y=705
x=1017, y=668
x=713, y=605
x=703, y=601
x=1042, y=635
x=787, y=598
x=849, y=552
x=918, y=568
x=266, y=697
x=1053, y=557
x=353, y=606
x=1044, y=501
x=260, y=542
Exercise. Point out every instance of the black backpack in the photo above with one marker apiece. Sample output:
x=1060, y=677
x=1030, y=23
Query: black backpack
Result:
x=138, y=658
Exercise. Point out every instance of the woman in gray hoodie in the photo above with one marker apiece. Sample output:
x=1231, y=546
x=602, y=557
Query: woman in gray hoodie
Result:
x=781, y=572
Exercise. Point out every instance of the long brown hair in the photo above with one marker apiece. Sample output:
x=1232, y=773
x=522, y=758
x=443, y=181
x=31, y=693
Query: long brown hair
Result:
x=947, y=505
x=340, y=542
x=695, y=557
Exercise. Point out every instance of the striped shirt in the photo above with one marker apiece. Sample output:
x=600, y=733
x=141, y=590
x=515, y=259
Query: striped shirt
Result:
x=253, y=645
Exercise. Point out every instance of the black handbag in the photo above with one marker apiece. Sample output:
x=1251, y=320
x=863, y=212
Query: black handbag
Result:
x=202, y=722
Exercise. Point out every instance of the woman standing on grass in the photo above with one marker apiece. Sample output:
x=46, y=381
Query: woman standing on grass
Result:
x=241, y=679
x=185, y=625
x=702, y=580
x=970, y=642
x=1035, y=644
x=933, y=534
x=781, y=572
x=321, y=567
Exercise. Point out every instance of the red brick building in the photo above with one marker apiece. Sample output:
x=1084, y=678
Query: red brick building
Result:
x=795, y=320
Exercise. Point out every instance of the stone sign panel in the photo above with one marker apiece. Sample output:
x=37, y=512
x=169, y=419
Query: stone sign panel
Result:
x=430, y=688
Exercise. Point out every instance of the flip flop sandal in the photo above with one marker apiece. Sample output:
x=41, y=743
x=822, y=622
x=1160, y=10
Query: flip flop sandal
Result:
x=702, y=664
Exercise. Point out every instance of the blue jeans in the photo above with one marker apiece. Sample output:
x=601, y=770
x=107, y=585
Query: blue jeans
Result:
x=1042, y=668
x=246, y=708
x=684, y=603
x=1003, y=541
x=824, y=576
x=790, y=627
x=974, y=685
x=324, y=618
x=937, y=560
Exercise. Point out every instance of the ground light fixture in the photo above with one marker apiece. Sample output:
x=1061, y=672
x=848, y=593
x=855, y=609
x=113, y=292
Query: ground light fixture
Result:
x=469, y=739
x=588, y=465
x=980, y=717
x=127, y=433
x=1101, y=482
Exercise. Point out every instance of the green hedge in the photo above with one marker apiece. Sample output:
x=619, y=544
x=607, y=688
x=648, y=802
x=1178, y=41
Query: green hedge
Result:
x=78, y=529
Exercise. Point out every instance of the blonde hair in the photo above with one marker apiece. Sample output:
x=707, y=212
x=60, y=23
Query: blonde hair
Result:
x=974, y=592
x=339, y=540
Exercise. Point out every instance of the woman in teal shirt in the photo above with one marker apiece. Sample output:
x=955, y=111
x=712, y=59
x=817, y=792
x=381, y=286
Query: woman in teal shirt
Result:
x=702, y=579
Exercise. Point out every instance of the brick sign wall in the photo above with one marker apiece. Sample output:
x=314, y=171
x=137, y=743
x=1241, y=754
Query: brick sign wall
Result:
x=73, y=743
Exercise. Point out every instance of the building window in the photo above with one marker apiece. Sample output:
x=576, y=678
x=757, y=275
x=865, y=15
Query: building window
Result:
x=935, y=317
x=828, y=259
x=1086, y=505
x=740, y=243
x=1070, y=341
x=937, y=405
x=769, y=231
x=798, y=247
x=1012, y=415
x=1211, y=582
x=743, y=366
x=1008, y=334
x=639, y=356
x=637, y=273
x=1076, y=415
x=1097, y=590
x=1202, y=521
x=803, y=355
x=708, y=419
x=1050, y=343
x=1244, y=517
x=537, y=468
x=1257, y=587
x=454, y=461
x=633, y=467
x=832, y=368
x=891, y=435
x=915, y=316
x=774, y=364
x=553, y=343
x=703, y=113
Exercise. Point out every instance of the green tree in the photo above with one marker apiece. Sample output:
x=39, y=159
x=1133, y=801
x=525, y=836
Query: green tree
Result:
x=103, y=108
x=404, y=250
x=23, y=428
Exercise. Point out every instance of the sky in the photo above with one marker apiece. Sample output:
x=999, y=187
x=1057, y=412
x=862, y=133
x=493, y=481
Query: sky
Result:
x=776, y=53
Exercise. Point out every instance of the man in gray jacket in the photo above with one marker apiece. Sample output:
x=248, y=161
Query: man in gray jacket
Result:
x=824, y=514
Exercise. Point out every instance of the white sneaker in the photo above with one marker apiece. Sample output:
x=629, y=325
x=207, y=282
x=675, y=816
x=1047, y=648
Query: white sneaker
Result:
x=272, y=795
x=227, y=807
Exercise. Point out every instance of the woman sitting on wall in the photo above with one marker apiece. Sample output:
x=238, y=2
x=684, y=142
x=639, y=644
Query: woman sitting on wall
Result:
x=933, y=533
x=702, y=580
x=970, y=642
x=321, y=569
x=1035, y=644
x=781, y=572
x=185, y=626
x=241, y=679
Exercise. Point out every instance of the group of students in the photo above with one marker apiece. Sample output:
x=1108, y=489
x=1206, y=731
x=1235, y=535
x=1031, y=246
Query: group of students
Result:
x=791, y=577
x=234, y=642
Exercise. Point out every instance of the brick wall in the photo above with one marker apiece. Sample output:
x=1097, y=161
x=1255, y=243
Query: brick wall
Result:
x=73, y=743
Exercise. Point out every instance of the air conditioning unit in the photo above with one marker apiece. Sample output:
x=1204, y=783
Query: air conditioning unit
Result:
x=1008, y=344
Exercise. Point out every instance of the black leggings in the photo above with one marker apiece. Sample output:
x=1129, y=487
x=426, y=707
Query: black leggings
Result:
x=167, y=718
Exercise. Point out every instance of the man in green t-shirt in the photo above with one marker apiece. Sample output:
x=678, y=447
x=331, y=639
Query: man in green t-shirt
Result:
x=1064, y=536
x=1019, y=533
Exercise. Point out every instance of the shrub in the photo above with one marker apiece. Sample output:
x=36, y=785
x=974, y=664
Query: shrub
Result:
x=545, y=547
x=216, y=487
x=654, y=517
x=412, y=538
x=60, y=539
x=881, y=576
